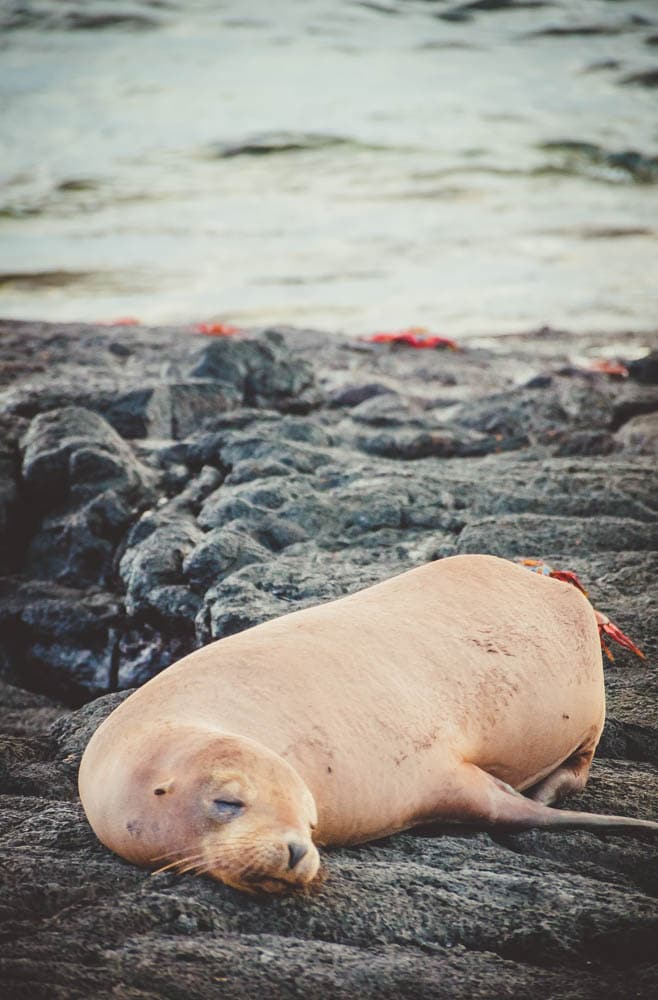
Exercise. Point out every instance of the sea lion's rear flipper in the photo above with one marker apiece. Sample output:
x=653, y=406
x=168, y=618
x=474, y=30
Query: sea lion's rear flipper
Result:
x=567, y=779
x=488, y=801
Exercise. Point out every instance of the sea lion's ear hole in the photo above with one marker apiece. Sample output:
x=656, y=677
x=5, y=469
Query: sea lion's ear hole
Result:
x=163, y=787
x=226, y=808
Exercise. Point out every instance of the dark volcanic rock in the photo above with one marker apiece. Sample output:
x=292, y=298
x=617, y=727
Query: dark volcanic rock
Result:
x=257, y=372
x=82, y=481
x=194, y=496
x=8, y=505
x=513, y=535
x=645, y=369
x=152, y=399
x=537, y=410
x=221, y=552
x=60, y=640
x=152, y=572
x=72, y=454
x=640, y=435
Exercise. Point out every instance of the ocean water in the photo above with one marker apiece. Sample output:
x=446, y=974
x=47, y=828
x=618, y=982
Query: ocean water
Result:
x=472, y=168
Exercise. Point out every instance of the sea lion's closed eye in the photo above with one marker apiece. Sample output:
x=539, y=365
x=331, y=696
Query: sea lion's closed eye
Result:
x=226, y=809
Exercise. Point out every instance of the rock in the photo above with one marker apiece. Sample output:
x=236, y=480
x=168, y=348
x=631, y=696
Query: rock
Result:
x=386, y=410
x=639, y=436
x=72, y=454
x=194, y=492
x=353, y=395
x=139, y=413
x=584, y=443
x=62, y=641
x=72, y=732
x=82, y=482
x=8, y=504
x=25, y=716
x=233, y=606
x=645, y=369
x=143, y=650
x=220, y=553
x=78, y=547
x=632, y=400
x=280, y=441
x=249, y=469
x=152, y=572
x=541, y=409
x=527, y=535
x=439, y=443
x=261, y=372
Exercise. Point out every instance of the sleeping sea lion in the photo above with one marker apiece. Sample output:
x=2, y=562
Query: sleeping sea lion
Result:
x=436, y=697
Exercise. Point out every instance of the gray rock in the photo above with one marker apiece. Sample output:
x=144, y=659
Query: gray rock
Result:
x=233, y=606
x=152, y=572
x=410, y=445
x=538, y=411
x=519, y=535
x=639, y=436
x=60, y=640
x=221, y=552
x=353, y=395
x=143, y=650
x=139, y=413
x=645, y=369
x=72, y=454
x=8, y=504
x=83, y=481
x=261, y=372
x=78, y=547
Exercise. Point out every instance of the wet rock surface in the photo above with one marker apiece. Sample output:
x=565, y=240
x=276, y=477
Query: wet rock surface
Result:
x=159, y=489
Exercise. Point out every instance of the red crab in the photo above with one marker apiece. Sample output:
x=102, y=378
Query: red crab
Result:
x=609, y=368
x=217, y=329
x=121, y=321
x=607, y=629
x=414, y=336
x=566, y=575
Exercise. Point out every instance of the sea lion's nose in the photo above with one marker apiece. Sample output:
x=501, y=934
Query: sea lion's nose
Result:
x=295, y=853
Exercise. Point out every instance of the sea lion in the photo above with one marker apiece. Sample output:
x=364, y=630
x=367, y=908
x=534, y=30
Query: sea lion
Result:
x=435, y=697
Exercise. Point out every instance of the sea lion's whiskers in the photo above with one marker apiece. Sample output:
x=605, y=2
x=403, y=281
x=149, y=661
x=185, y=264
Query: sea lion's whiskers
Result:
x=194, y=865
x=177, y=863
x=170, y=854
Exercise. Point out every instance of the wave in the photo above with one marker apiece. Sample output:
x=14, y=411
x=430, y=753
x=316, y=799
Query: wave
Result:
x=32, y=280
x=274, y=143
x=594, y=162
x=90, y=15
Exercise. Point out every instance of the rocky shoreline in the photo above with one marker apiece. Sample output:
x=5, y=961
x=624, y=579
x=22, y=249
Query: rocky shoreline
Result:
x=160, y=488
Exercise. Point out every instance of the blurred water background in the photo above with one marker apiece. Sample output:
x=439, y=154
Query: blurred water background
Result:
x=474, y=168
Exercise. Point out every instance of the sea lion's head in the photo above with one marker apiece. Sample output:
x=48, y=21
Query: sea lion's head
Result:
x=224, y=806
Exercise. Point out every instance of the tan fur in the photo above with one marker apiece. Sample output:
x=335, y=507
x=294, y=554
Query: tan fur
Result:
x=430, y=697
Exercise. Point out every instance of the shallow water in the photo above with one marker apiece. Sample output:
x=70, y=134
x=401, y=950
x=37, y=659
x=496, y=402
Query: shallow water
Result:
x=351, y=166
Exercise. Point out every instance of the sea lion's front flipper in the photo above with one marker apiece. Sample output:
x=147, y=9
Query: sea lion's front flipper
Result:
x=485, y=800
